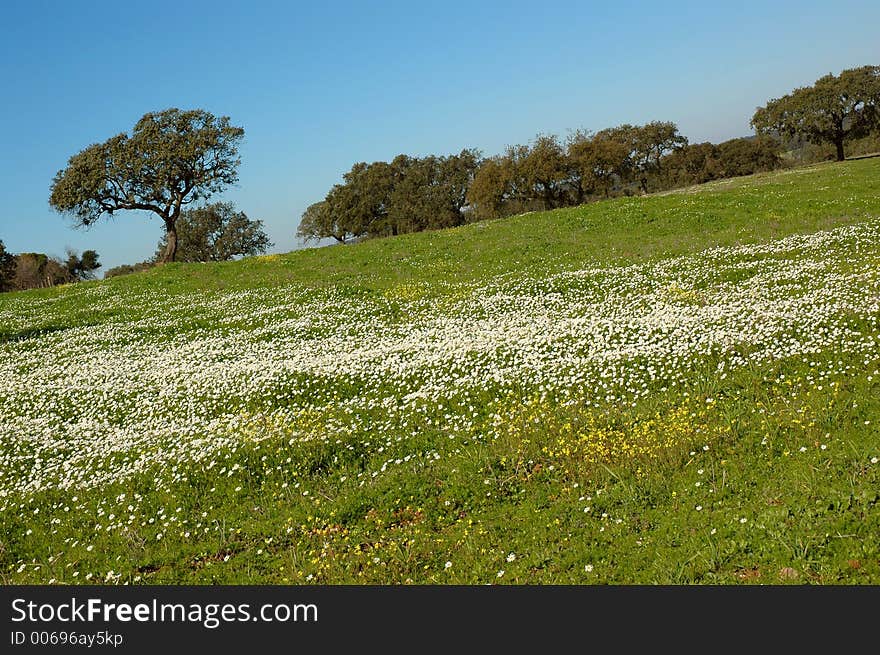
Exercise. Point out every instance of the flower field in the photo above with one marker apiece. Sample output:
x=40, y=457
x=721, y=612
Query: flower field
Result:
x=700, y=416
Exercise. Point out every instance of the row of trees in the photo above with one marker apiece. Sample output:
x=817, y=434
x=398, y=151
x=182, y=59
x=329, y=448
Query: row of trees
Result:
x=175, y=158
x=622, y=160
x=33, y=270
x=549, y=173
x=411, y=194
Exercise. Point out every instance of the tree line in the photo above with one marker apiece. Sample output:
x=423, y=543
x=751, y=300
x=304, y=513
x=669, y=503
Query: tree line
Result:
x=175, y=160
x=36, y=270
x=410, y=194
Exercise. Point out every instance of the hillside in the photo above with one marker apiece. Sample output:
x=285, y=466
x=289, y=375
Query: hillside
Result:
x=676, y=388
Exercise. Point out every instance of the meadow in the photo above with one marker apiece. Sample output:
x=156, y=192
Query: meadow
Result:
x=679, y=388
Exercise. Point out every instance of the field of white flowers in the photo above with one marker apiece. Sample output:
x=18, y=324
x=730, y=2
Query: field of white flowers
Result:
x=82, y=406
x=367, y=369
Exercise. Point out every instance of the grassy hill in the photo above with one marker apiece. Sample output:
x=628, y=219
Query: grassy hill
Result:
x=671, y=389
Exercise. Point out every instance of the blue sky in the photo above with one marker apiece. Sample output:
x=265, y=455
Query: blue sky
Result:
x=319, y=86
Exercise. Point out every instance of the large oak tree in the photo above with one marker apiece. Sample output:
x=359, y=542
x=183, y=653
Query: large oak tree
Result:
x=171, y=159
x=834, y=110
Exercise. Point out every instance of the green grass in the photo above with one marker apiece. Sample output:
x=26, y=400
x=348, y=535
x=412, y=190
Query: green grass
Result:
x=762, y=471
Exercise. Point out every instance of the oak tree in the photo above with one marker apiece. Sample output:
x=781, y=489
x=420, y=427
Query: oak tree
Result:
x=171, y=159
x=544, y=170
x=596, y=163
x=834, y=110
x=491, y=187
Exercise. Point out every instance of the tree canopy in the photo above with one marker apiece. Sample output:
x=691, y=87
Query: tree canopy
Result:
x=171, y=159
x=648, y=145
x=834, y=110
x=408, y=194
x=82, y=267
x=430, y=192
x=546, y=173
x=490, y=193
x=216, y=233
x=320, y=221
x=596, y=163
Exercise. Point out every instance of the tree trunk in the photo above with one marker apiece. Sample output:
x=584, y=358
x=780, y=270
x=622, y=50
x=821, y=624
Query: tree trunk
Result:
x=839, y=144
x=170, y=251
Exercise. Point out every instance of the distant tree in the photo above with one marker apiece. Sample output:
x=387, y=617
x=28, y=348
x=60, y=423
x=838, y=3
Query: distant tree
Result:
x=595, y=164
x=695, y=163
x=652, y=142
x=648, y=145
x=702, y=162
x=408, y=194
x=216, y=233
x=82, y=267
x=320, y=222
x=834, y=110
x=7, y=268
x=116, y=271
x=172, y=158
x=413, y=202
x=747, y=156
x=360, y=205
x=89, y=261
x=36, y=270
x=352, y=209
x=357, y=207
x=491, y=188
x=373, y=186
x=315, y=224
x=520, y=189
x=430, y=193
x=544, y=171
x=456, y=174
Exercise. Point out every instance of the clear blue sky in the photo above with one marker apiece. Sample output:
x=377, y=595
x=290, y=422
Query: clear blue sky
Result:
x=319, y=86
